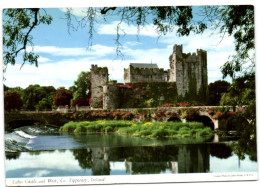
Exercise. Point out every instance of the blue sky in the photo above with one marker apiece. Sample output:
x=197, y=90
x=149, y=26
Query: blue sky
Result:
x=63, y=56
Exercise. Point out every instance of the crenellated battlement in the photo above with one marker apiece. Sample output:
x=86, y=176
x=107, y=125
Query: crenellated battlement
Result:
x=188, y=67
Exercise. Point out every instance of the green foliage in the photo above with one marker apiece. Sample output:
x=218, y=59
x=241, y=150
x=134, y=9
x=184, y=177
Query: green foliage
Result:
x=147, y=129
x=166, y=129
x=35, y=96
x=81, y=88
x=84, y=157
x=148, y=94
x=239, y=22
x=94, y=126
x=193, y=96
x=216, y=90
x=17, y=27
x=45, y=103
x=12, y=101
x=242, y=94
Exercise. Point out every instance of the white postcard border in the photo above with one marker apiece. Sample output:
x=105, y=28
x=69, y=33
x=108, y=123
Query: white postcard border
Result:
x=133, y=179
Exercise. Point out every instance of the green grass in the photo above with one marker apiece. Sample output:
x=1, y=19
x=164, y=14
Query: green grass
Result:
x=148, y=129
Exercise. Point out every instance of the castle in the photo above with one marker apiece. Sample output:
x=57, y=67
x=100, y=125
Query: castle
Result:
x=188, y=71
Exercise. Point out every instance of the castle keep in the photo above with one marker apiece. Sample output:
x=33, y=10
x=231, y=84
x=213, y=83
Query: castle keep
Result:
x=188, y=68
x=187, y=76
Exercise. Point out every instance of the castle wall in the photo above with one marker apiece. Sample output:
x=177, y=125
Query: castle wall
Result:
x=111, y=97
x=145, y=75
x=99, y=77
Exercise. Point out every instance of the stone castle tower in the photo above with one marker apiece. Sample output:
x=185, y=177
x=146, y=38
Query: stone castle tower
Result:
x=99, y=77
x=187, y=69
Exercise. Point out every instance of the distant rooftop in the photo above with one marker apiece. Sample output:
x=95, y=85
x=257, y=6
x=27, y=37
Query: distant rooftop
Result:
x=143, y=65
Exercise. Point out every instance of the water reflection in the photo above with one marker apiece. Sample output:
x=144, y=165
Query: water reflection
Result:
x=148, y=159
x=12, y=155
x=84, y=158
x=185, y=158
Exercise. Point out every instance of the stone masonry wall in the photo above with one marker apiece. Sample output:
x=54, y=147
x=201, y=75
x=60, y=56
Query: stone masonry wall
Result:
x=99, y=77
x=145, y=75
x=111, y=97
x=188, y=68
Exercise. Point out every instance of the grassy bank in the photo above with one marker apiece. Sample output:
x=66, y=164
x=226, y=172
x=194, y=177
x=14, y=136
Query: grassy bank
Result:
x=148, y=129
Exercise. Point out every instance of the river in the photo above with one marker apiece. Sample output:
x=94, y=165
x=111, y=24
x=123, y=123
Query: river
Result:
x=42, y=151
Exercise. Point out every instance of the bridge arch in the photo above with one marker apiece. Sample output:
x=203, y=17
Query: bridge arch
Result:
x=20, y=123
x=174, y=118
x=206, y=120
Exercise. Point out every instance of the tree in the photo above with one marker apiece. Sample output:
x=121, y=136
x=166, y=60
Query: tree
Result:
x=216, y=89
x=17, y=27
x=12, y=101
x=242, y=93
x=81, y=101
x=81, y=86
x=45, y=103
x=62, y=97
x=236, y=21
x=33, y=94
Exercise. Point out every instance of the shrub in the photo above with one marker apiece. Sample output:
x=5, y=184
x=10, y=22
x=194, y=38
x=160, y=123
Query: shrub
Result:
x=81, y=102
x=109, y=129
x=62, y=97
x=172, y=132
x=160, y=133
x=69, y=127
x=195, y=125
x=80, y=128
x=205, y=131
x=145, y=132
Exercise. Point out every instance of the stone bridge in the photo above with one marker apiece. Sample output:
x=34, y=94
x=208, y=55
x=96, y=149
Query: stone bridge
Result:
x=16, y=119
x=19, y=119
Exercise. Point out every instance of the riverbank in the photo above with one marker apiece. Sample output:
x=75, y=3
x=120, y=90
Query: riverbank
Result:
x=145, y=129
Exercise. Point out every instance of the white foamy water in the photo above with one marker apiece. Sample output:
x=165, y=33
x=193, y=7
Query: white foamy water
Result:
x=24, y=135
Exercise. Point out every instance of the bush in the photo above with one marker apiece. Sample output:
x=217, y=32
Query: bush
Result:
x=205, y=131
x=160, y=133
x=195, y=125
x=69, y=127
x=145, y=133
x=109, y=129
x=80, y=128
x=81, y=102
x=148, y=129
x=172, y=132
x=62, y=97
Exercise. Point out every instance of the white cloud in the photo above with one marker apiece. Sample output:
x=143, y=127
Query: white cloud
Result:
x=43, y=59
x=129, y=29
x=206, y=41
x=132, y=43
x=100, y=50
